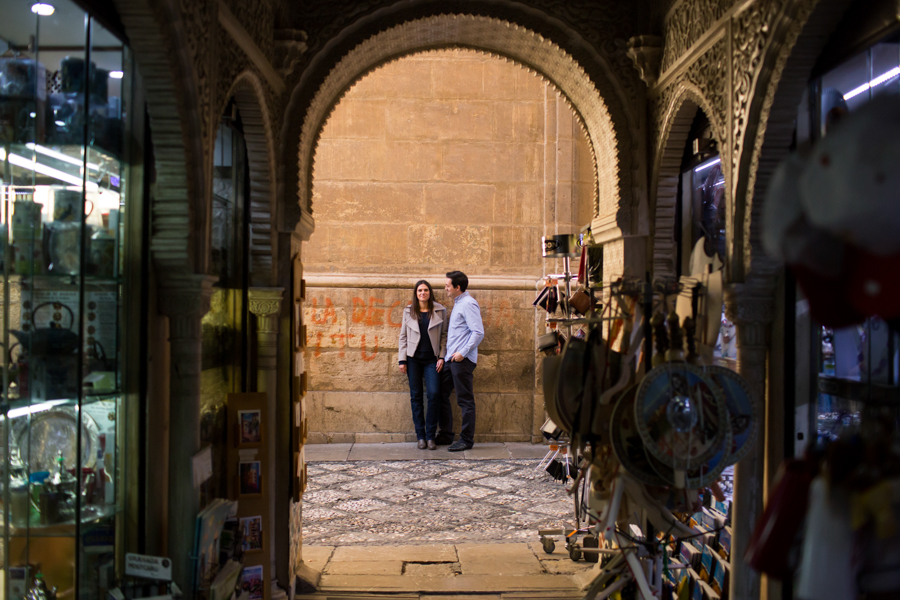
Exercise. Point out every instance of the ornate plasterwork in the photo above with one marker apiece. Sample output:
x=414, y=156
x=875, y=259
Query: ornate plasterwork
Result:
x=750, y=31
x=687, y=22
x=798, y=33
x=674, y=108
x=200, y=38
x=495, y=37
x=258, y=19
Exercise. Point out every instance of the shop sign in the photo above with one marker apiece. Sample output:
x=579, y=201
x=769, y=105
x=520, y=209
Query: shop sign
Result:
x=148, y=567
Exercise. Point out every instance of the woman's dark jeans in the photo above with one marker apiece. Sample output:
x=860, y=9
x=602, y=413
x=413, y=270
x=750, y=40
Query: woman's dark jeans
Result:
x=426, y=422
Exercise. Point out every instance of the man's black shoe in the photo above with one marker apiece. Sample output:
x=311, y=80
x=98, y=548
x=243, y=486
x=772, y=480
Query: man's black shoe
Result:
x=459, y=446
x=443, y=439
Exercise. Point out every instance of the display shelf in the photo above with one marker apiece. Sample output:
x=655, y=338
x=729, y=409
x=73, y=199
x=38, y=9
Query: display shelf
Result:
x=859, y=391
x=18, y=407
x=47, y=280
x=90, y=520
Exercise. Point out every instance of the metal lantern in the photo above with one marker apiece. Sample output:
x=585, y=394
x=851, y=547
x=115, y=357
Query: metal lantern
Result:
x=560, y=246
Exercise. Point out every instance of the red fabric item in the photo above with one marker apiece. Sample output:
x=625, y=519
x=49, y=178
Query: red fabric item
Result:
x=582, y=266
x=773, y=541
x=867, y=286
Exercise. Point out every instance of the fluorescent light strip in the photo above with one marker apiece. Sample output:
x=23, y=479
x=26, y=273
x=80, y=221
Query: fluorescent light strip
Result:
x=37, y=167
x=59, y=156
x=705, y=166
x=34, y=408
x=877, y=81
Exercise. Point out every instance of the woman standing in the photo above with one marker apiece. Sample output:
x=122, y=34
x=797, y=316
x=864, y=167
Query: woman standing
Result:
x=423, y=341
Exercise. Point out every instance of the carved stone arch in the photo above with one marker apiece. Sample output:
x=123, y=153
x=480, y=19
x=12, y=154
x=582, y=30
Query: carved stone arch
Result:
x=613, y=144
x=680, y=113
x=800, y=32
x=249, y=95
x=158, y=38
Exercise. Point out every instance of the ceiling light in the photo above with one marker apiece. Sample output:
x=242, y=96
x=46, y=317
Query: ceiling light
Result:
x=43, y=9
x=707, y=165
x=59, y=156
x=877, y=81
x=33, y=165
x=116, y=74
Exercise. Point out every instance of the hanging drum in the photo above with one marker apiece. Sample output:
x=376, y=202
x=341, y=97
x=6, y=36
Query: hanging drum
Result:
x=681, y=416
x=743, y=412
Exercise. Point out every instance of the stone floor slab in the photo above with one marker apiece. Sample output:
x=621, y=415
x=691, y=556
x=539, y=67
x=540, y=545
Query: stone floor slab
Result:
x=316, y=557
x=396, y=451
x=559, y=553
x=327, y=452
x=487, y=451
x=431, y=569
x=526, y=450
x=436, y=553
x=499, y=559
x=381, y=567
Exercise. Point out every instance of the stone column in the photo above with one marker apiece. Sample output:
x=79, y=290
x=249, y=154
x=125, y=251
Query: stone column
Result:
x=184, y=299
x=752, y=310
x=265, y=304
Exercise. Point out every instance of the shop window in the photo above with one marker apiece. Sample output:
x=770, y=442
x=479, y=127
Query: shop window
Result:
x=69, y=203
x=225, y=326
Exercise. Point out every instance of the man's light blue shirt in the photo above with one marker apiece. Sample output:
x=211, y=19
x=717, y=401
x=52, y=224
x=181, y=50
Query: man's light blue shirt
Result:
x=466, y=329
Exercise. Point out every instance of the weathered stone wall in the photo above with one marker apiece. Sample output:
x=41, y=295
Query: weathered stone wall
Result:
x=444, y=160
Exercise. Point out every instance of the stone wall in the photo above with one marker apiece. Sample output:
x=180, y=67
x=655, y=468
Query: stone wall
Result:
x=444, y=160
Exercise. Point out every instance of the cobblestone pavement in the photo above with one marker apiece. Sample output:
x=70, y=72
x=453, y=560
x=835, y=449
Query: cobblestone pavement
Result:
x=430, y=501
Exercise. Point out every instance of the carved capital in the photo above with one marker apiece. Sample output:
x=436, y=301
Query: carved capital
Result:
x=265, y=303
x=183, y=295
x=645, y=51
x=752, y=309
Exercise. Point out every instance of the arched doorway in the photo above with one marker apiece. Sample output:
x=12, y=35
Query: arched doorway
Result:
x=617, y=150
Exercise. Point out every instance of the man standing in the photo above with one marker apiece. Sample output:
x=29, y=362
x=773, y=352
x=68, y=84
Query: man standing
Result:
x=465, y=333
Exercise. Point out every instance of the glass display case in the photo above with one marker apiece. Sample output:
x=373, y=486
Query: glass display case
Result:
x=64, y=108
x=859, y=366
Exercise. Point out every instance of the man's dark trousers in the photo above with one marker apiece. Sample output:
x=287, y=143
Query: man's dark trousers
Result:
x=459, y=376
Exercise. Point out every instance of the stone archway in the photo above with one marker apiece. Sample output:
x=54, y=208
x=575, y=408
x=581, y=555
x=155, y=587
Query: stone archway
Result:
x=679, y=116
x=248, y=94
x=174, y=101
x=613, y=131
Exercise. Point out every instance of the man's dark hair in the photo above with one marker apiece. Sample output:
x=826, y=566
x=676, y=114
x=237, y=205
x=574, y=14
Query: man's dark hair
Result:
x=458, y=279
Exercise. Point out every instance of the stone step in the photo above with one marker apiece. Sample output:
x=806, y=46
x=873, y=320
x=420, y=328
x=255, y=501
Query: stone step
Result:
x=522, y=586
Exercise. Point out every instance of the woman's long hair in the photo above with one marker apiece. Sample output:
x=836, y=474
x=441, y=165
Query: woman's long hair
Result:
x=414, y=310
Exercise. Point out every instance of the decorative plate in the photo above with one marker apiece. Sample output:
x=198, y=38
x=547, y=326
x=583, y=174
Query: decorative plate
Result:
x=629, y=449
x=703, y=428
x=743, y=411
x=53, y=430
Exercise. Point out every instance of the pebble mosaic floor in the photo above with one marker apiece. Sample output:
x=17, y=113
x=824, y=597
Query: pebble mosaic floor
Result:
x=430, y=501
